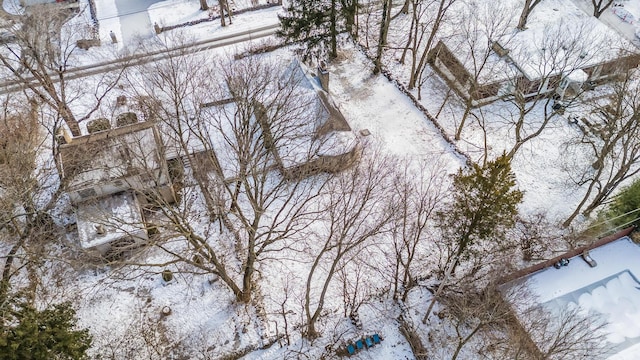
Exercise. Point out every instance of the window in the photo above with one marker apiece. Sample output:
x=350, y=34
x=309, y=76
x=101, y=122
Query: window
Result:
x=87, y=193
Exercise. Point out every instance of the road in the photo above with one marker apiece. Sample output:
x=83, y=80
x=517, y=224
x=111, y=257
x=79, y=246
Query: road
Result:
x=11, y=86
x=134, y=19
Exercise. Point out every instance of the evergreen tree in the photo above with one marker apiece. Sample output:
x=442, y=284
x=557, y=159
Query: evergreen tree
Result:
x=27, y=333
x=317, y=23
x=623, y=210
x=484, y=205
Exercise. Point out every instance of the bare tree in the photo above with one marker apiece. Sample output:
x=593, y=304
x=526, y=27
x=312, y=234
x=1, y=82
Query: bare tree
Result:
x=172, y=92
x=527, y=8
x=534, y=234
x=40, y=59
x=357, y=209
x=599, y=6
x=562, y=55
x=223, y=6
x=382, y=39
x=434, y=19
x=358, y=286
x=472, y=312
x=27, y=195
x=480, y=27
x=234, y=145
x=568, y=334
x=419, y=191
x=538, y=331
x=613, y=146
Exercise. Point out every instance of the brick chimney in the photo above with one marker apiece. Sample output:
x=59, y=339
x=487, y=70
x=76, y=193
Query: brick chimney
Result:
x=323, y=75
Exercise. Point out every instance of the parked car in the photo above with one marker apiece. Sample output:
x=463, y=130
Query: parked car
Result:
x=624, y=14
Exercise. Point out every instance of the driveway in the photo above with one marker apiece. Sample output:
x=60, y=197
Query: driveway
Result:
x=134, y=20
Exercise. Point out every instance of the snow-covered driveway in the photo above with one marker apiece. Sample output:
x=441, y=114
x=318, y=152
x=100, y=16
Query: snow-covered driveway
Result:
x=134, y=19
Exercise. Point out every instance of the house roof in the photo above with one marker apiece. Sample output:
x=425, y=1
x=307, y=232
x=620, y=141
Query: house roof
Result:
x=311, y=126
x=559, y=38
x=610, y=289
x=328, y=132
x=109, y=219
x=475, y=54
x=110, y=155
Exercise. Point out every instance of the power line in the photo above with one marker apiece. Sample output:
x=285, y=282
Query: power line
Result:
x=133, y=12
x=614, y=218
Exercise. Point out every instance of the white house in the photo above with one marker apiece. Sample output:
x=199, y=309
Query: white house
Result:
x=601, y=281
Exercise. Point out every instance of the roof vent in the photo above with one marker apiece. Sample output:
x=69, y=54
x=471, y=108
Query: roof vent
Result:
x=100, y=230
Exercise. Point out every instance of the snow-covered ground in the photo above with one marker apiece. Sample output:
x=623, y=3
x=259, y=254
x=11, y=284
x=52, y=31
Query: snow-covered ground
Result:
x=396, y=126
x=175, y=12
x=131, y=313
x=368, y=102
x=622, y=16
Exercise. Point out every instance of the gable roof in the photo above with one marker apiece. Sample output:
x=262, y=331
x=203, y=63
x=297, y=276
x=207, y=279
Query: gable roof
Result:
x=561, y=37
x=315, y=127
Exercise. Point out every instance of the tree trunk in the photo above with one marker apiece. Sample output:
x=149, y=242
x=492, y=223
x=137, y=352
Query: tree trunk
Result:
x=576, y=212
x=598, y=8
x=249, y=267
x=467, y=110
x=436, y=26
x=224, y=6
x=447, y=274
x=311, y=319
x=333, y=31
x=221, y=6
x=412, y=30
x=349, y=12
x=382, y=41
x=65, y=112
x=526, y=10
x=311, y=332
x=404, y=10
x=7, y=270
x=464, y=341
x=203, y=5
x=522, y=22
x=247, y=285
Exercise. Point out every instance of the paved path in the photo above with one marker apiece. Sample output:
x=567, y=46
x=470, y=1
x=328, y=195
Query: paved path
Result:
x=134, y=20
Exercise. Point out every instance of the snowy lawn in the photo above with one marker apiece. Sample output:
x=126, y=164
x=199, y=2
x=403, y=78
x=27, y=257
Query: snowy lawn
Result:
x=174, y=12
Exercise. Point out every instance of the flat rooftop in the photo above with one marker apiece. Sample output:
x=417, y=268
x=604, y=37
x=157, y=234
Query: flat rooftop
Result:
x=109, y=219
x=610, y=289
